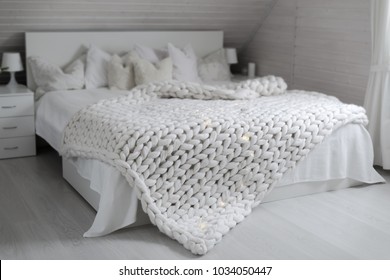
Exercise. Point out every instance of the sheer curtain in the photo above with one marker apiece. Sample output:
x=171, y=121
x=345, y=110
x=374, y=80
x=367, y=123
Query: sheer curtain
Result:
x=377, y=99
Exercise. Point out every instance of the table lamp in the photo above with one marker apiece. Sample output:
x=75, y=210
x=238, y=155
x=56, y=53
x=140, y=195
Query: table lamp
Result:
x=231, y=56
x=12, y=63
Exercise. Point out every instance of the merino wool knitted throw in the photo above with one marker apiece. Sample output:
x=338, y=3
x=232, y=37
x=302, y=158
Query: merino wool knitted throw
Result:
x=201, y=158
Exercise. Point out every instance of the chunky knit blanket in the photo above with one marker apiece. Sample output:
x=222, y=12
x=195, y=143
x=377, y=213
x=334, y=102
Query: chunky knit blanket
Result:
x=203, y=158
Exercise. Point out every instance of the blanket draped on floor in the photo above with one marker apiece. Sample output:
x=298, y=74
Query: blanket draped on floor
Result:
x=200, y=166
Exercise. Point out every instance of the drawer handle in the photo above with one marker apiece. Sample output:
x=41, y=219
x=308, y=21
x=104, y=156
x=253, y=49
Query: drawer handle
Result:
x=10, y=127
x=8, y=107
x=11, y=148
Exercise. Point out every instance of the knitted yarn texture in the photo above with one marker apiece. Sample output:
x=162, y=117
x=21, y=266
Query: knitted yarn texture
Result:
x=200, y=166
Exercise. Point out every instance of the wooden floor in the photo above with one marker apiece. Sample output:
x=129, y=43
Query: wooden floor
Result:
x=42, y=217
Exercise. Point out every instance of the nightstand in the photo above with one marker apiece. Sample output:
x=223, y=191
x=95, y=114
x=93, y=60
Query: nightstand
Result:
x=17, y=124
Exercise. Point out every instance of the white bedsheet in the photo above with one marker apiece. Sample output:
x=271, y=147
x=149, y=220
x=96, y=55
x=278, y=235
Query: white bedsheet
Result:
x=55, y=109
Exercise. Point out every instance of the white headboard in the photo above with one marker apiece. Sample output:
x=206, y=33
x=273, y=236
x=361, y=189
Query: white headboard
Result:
x=60, y=48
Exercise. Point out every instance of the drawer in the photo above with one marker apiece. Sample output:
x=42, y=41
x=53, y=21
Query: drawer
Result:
x=16, y=127
x=17, y=147
x=15, y=106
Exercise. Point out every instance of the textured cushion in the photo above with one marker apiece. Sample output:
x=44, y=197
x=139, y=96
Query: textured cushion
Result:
x=120, y=72
x=184, y=63
x=212, y=72
x=96, y=69
x=150, y=54
x=146, y=72
x=214, y=67
x=49, y=77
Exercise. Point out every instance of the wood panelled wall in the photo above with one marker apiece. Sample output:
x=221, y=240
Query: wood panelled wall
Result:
x=321, y=45
x=272, y=48
x=238, y=19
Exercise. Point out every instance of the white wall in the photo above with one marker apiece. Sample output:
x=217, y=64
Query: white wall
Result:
x=237, y=18
x=321, y=45
x=272, y=48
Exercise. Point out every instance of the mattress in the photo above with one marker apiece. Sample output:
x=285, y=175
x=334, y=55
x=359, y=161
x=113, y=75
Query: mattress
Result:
x=324, y=164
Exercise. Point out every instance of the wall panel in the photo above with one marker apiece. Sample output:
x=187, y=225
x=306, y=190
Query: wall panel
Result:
x=333, y=47
x=321, y=45
x=237, y=18
x=272, y=48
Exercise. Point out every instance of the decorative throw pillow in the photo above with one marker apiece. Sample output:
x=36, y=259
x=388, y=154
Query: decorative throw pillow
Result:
x=213, y=72
x=49, y=77
x=120, y=72
x=214, y=67
x=184, y=63
x=146, y=72
x=96, y=69
x=150, y=54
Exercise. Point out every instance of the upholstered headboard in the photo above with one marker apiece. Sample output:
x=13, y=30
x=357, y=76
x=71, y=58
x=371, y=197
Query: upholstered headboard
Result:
x=62, y=47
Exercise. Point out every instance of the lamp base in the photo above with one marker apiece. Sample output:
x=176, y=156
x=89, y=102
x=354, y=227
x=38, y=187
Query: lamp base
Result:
x=12, y=82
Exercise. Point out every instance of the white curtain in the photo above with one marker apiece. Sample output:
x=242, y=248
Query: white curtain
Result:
x=377, y=99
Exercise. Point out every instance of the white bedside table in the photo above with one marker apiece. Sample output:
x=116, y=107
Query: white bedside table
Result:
x=17, y=124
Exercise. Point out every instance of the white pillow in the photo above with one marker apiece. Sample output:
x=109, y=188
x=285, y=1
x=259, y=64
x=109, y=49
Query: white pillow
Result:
x=120, y=72
x=49, y=77
x=184, y=63
x=214, y=67
x=96, y=69
x=150, y=54
x=146, y=72
x=213, y=72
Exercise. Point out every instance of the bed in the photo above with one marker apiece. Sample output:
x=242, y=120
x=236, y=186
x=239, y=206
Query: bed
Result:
x=343, y=159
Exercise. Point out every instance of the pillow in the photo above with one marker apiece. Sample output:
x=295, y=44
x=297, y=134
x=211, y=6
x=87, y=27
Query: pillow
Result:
x=213, y=72
x=214, y=67
x=152, y=55
x=96, y=70
x=184, y=63
x=49, y=77
x=146, y=72
x=120, y=72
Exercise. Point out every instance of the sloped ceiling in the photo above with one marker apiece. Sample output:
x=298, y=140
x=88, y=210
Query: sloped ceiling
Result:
x=239, y=19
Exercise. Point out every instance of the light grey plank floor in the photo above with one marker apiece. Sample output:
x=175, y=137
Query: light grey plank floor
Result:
x=42, y=217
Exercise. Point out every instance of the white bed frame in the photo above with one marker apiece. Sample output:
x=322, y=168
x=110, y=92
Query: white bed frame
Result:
x=61, y=47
